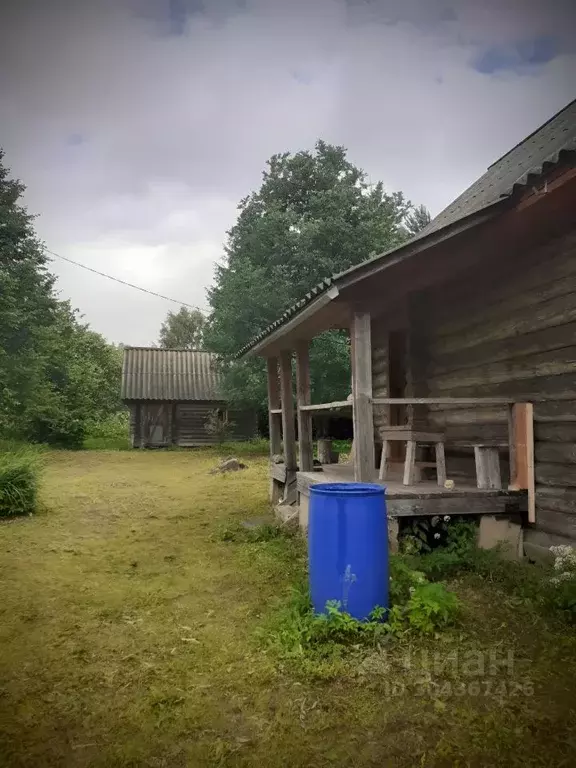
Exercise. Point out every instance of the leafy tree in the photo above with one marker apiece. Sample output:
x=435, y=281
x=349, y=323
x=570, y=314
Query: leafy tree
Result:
x=183, y=329
x=417, y=220
x=314, y=215
x=56, y=375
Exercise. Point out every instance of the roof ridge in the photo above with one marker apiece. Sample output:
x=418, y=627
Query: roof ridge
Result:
x=534, y=132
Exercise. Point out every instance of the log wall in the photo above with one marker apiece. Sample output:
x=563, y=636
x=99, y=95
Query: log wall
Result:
x=510, y=330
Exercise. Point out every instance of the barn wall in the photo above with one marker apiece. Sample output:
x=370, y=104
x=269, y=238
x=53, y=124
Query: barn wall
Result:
x=510, y=330
x=158, y=424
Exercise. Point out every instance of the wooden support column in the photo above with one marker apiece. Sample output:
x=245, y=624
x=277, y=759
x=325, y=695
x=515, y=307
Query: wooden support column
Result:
x=361, y=348
x=521, y=441
x=274, y=416
x=287, y=396
x=303, y=398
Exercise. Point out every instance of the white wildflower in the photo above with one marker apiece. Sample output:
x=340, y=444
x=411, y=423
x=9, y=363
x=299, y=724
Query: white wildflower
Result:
x=436, y=535
x=446, y=518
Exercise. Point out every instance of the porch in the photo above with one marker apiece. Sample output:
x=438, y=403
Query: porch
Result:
x=505, y=485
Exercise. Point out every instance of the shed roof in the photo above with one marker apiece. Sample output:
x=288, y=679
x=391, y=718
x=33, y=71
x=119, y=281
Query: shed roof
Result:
x=532, y=157
x=150, y=373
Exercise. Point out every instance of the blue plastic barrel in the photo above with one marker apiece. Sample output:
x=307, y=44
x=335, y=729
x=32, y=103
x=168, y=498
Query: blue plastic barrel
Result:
x=348, y=547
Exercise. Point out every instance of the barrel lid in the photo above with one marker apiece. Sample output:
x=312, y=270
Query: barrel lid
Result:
x=348, y=489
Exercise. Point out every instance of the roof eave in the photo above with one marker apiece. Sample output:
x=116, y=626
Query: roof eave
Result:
x=297, y=319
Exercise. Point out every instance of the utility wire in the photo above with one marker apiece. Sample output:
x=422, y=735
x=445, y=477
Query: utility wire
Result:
x=123, y=282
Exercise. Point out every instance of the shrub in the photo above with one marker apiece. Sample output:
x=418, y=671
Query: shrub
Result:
x=19, y=472
x=112, y=434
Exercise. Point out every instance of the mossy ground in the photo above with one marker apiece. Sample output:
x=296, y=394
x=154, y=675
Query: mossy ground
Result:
x=131, y=635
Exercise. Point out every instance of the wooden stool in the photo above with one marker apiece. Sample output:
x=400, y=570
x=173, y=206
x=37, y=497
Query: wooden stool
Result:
x=412, y=437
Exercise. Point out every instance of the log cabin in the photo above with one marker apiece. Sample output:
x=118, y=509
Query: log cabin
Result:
x=463, y=355
x=171, y=394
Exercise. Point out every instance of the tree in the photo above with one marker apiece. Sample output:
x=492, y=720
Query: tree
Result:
x=314, y=215
x=26, y=304
x=56, y=375
x=183, y=329
x=417, y=220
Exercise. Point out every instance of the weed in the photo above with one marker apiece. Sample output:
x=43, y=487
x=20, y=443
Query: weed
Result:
x=252, y=532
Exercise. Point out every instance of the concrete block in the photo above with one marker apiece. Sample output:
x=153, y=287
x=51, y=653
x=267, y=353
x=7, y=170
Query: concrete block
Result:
x=496, y=531
x=304, y=506
x=393, y=531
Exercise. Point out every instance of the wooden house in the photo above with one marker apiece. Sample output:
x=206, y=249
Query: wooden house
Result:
x=171, y=394
x=464, y=338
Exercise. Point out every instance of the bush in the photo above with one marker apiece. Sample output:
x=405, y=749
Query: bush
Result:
x=19, y=472
x=112, y=434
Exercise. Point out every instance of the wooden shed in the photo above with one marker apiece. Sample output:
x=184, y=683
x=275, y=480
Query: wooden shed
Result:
x=171, y=393
x=463, y=338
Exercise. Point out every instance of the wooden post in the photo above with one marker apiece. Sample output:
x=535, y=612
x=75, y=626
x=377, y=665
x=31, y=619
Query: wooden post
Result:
x=361, y=347
x=274, y=419
x=287, y=411
x=303, y=398
x=522, y=453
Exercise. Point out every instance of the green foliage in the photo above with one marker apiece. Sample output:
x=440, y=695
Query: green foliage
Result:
x=56, y=375
x=315, y=214
x=183, y=329
x=19, y=473
x=110, y=434
x=417, y=608
x=417, y=220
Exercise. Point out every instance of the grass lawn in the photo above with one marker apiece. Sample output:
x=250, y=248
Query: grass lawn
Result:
x=131, y=635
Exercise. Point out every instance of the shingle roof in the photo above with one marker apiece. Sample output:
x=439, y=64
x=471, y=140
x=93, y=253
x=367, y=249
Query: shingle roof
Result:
x=532, y=157
x=529, y=158
x=149, y=373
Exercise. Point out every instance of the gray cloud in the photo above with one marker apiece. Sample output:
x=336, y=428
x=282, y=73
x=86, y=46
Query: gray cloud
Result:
x=138, y=125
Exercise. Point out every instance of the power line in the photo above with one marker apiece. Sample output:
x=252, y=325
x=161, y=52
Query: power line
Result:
x=123, y=282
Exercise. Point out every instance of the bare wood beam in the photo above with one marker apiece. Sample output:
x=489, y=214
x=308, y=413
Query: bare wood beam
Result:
x=336, y=405
x=275, y=412
x=287, y=396
x=522, y=428
x=442, y=400
x=360, y=337
x=303, y=399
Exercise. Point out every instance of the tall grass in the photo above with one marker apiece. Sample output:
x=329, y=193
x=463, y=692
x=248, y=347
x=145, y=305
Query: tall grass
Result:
x=19, y=475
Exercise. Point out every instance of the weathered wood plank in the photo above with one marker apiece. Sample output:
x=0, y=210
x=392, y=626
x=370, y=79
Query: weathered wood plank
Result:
x=555, y=433
x=278, y=472
x=303, y=399
x=547, y=339
x=555, y=411
x=557, y=499
x=487, y=467
x=551, y=521
x=549, y=363
x=548, y=264
x=335, y=406
x=275, y=412
x=563, y=475
x=440, y=464
x=445, y=505
x=361, y=346
x=441, y=400
x=561, y=387
x=555, y=312
x=556, y=453
x=287, y=395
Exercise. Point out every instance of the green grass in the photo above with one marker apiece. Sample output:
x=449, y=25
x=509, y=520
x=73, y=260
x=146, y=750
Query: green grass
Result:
x=134, y=634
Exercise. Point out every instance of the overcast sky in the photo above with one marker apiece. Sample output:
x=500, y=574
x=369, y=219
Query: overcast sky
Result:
x=138, y=125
